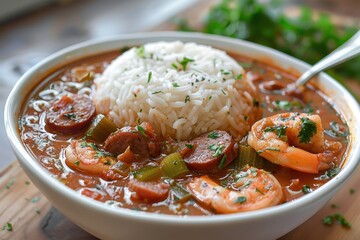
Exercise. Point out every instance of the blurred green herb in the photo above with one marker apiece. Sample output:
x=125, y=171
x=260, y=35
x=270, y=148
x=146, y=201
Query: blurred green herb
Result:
x=306, y=37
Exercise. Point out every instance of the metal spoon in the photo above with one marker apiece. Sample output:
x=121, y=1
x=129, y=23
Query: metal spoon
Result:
x=348, y=50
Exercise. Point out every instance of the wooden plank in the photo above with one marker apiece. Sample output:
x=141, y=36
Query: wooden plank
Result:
x=29, y=212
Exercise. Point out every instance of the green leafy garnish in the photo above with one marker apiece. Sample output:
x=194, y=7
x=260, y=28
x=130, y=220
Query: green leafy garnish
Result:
x=175, y=66
x=189, y=146
x=71, y=116
x=218, y=149
x=100, y=154
x=307, y=37
x=7, y=226
x=337, y=131
x=222, y=162
x=141, y=130
x=185, y=62
x=149, y=77
x=214, y=135
x=240, y=200
x=268, y=149
x=187, y=98
x=287, y=106
x=330, y=219
x=140, y=51
x=176, y=85
x=306, y=189
x=35, y=199
x=332, y=172
x=10, y=183
x=238, y=77
x=308, y=129
x=279, y=130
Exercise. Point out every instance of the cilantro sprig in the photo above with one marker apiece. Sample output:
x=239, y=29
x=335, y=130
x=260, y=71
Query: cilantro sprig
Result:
x=308, y=129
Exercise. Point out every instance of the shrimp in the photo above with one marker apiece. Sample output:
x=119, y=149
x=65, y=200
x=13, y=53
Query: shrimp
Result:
x=87, y=158
x=256, y=189
x=294, y=140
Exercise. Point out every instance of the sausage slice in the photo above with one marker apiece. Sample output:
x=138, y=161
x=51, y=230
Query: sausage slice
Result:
x=212, y=152
x=141, y=140
x=70, y=114
x=149, y=191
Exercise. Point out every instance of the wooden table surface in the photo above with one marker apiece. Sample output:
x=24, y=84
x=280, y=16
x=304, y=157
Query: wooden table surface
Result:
x=32, y=216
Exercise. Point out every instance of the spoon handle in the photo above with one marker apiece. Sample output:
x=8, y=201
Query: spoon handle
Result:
x=348, y=50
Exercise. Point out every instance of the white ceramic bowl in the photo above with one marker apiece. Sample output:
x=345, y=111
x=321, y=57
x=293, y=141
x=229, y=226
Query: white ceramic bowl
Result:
x=114, y=223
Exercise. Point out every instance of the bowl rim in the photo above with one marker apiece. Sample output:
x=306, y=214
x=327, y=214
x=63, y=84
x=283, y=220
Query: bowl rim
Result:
x=26, y=159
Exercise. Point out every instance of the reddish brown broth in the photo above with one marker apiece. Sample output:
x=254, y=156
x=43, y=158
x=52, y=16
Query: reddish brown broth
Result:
x=48, y=148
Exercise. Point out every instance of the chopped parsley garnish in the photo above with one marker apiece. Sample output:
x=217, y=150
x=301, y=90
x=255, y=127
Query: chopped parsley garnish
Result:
x=225, y=72
x=214, y=135
x=240, y=200
x=185, y=62
x=157, y=92
x=187, y=98
x=175, y=66
x=332, y=172
x=255, y=103
x=77, y=163
x=223, y=91
x=270, y=149
x=238, y=77
x=10, y=183
x=337, y=131
x=218, y=149
x=176, y=85
x=7, y=226
x=93, y=146
x=330, y=219
x=141, y=130
x=306, y=189
x=189, y=146
x=222, y=162
x=279, y=130
x=140, y=51
x=287, y=106
x=27, y=182
x=149, y=77
x=107, y=162
x=83, y=144
x=308, y=129
x=35, y=199
x=352, y=191
x=71, y=116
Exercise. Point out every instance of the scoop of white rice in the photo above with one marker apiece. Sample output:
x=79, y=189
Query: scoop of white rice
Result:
x=182, y=89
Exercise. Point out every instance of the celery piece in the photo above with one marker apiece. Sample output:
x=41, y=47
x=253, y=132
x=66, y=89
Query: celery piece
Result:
x=100, y=128
x=248, y=156
x=180, y=193
x=121, y=168
x=174, y=166
x=148, y=173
